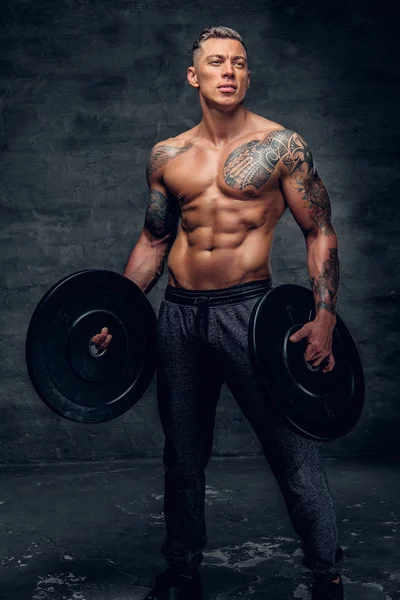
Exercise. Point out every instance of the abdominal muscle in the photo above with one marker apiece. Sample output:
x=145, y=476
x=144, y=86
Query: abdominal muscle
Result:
x=202, y=260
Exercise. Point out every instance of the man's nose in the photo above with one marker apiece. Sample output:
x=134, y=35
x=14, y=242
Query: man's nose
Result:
x=228, y=70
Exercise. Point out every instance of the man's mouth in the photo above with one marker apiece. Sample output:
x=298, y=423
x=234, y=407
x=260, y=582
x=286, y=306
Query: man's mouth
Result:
x=227, y=88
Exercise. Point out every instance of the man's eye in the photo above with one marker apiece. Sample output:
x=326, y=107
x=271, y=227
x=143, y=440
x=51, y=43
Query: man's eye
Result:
x=240, y=64
x=215, y=62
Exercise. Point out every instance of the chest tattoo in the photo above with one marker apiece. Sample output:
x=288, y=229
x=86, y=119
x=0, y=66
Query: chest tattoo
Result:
x=252, y=164
x=162, y=155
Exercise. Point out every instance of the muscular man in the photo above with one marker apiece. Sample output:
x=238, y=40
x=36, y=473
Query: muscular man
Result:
x=217, y=192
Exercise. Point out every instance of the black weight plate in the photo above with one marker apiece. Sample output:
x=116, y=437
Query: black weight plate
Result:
x=64, y=368
x=321, y=406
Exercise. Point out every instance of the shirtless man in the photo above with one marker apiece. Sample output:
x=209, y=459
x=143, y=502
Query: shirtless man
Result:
x=217, y=192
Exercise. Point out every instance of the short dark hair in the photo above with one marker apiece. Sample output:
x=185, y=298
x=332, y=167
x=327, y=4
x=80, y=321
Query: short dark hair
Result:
x=215, y=32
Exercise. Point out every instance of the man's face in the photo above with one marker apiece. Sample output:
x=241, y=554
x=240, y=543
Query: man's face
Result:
x=222, y=73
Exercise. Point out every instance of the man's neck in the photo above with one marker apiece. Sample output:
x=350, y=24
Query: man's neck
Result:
x=219, y=127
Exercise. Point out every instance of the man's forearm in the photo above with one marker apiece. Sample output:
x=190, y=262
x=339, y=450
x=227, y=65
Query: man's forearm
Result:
x=146, y=265
x=323, y=268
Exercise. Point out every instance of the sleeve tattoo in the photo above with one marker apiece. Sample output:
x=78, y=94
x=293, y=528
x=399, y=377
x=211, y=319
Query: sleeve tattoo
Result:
x=162, y=213
x=325, y=286
x=161, y=216
x=316, y=200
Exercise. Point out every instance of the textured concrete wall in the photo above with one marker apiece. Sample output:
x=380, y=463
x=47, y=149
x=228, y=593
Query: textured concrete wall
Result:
x=88, y=87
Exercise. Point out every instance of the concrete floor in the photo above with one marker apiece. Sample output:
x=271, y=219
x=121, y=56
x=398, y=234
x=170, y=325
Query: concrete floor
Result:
x=93, y=531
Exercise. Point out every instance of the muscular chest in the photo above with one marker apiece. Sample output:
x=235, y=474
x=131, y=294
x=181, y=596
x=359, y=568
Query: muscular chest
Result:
x=243, y=171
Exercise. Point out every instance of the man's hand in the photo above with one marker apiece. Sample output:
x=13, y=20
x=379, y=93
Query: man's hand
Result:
x=319, y=340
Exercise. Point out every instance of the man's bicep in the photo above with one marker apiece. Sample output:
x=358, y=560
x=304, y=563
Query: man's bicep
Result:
x=306, y=195
x=161, y=217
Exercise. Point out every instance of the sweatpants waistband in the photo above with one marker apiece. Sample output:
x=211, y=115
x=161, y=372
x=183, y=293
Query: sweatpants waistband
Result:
x=214, y=297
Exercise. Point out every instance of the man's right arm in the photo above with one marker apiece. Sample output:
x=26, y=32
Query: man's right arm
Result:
x=146, y=262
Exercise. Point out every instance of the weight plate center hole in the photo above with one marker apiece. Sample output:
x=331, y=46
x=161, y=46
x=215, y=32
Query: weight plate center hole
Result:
x=95, y=351
x=310, y=366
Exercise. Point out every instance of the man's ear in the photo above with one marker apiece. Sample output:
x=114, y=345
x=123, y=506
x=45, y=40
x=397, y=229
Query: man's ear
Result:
x=192, y=77
x=248, y=80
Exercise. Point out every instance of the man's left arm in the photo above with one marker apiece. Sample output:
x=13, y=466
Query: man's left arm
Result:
x=308, y=200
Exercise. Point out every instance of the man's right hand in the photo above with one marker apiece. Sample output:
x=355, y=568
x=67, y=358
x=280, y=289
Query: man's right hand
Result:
x=102, y=340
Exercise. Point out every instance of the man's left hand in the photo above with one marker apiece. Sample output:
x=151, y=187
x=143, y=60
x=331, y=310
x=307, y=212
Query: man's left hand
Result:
x=319, y=342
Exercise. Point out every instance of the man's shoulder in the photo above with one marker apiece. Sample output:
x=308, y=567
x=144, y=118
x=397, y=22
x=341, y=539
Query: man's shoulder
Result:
x=179, y=141
x=167, y=149
x=267, y=129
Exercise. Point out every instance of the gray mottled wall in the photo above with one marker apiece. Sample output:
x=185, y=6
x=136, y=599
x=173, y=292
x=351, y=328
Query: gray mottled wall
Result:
x=87, y=88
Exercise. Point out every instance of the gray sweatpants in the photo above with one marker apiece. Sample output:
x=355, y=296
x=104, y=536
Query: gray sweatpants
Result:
x=203, y=342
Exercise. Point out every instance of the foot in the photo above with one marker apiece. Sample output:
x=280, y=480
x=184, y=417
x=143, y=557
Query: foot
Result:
x=172, y=586
x=328, y=590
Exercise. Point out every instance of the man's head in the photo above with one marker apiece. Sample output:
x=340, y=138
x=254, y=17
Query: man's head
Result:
x=209, y=33
x=220, y=70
